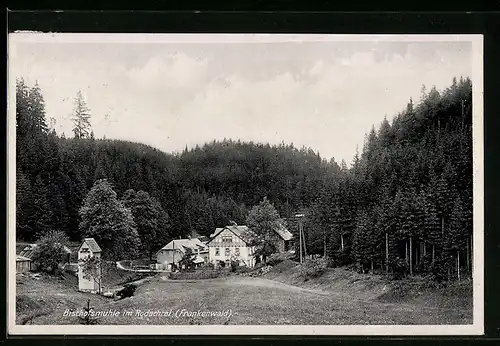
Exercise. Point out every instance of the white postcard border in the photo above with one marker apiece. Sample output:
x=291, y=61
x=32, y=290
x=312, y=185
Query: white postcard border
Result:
x=477, y=328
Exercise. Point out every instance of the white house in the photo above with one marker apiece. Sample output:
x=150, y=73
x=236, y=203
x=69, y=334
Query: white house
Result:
x=89, y=248
x=174, y=251
x=231, y=243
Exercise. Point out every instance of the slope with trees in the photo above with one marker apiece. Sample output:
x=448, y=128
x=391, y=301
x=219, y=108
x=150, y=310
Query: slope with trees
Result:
x=404, y=205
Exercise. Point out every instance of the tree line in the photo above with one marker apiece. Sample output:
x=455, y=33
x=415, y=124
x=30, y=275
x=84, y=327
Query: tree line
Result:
x=404, y=205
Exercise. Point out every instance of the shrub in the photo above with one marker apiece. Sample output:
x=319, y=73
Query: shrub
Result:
x=438, y=270
x=234, y=265
x=424, y=264
x=127, y=291
x=313, y=268
x=275, y=259
x=399, y=268
x=50, y=251
x=339, y=258
x=209, y=266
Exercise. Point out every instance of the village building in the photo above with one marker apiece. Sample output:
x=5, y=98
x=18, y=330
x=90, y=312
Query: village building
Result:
x=28, y=252
x=86, y=282
x=174, y=252
x=23, y=264
x=202, y=238
x=234, y=243
x=231, y=243
x=284, y=240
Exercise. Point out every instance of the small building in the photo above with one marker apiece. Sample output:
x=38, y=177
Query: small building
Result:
x=284, y=240
x=23, y=264
x=28, y=251
x=231, y=243
x=87, y=282
x=202, y=238
x=174, y=251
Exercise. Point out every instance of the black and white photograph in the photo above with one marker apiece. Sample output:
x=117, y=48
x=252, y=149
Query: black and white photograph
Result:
x=245, y=184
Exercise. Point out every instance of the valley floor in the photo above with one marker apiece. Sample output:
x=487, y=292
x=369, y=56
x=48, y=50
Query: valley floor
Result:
x=251, y=301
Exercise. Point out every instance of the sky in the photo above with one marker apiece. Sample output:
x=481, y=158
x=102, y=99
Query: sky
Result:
x=172, y=93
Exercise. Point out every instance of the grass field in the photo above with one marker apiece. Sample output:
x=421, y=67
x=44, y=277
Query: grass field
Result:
x=250, y=300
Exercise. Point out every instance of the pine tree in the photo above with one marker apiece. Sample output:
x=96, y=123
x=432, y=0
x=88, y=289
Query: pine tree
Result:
x=40, y=219
x=150, y=219
x=37, y=111
x=24, y=200
x=457, y=233
x=81, y=117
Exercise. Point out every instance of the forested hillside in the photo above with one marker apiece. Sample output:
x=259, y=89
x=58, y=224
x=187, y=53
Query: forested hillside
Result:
x=406, y=200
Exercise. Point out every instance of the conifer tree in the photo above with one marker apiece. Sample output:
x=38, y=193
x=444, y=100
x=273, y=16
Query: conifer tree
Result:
x=81, y=117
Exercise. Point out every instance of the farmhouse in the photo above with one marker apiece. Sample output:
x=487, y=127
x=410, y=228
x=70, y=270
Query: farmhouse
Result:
x=174, y=251
x=234, y=243
x=231, y=243
x=89, y=248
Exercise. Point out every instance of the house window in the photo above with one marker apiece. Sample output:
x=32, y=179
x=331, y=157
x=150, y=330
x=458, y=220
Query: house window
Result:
x=228, y=252
x=237, y=251
x=226, y=239
x=217, y=252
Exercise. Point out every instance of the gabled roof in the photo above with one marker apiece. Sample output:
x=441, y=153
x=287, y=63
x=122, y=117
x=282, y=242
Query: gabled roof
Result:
x=284, y=233
x=28, y=251
x=182, y=244
x=22, y=258
x=242, y=232
x=92, y=244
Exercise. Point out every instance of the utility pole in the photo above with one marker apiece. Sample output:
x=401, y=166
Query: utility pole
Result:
x=173, y=255
x=300, y=243
x=304, y=240
x=300, y=216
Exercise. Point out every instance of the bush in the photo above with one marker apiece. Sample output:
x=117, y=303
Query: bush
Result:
x=50, y=251
x=127, y=291
x=234, y=265
x=424, y=265
x=275, y=259
x=399, y=268
x=438, y=270
x=339, y=258
x=209, y=266
x=313, y=268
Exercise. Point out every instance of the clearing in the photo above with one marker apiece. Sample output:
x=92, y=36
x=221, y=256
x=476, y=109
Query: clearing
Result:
x=339, y=297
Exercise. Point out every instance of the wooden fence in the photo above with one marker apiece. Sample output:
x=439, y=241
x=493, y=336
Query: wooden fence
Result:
x=198, y=275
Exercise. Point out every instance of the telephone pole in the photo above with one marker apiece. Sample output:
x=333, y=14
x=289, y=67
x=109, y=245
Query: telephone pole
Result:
x=300, y=216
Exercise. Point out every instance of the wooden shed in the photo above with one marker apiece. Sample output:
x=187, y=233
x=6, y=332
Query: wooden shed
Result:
x=23, y=264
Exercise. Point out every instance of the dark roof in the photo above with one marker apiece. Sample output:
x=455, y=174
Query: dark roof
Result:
x=28, y=251
x=92, y=244
x=243, y=232
x=284, y=233
x=183, y=244
x=20, y=258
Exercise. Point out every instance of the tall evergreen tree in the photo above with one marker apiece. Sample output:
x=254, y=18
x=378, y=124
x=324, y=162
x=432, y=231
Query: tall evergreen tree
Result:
x=81, y=117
